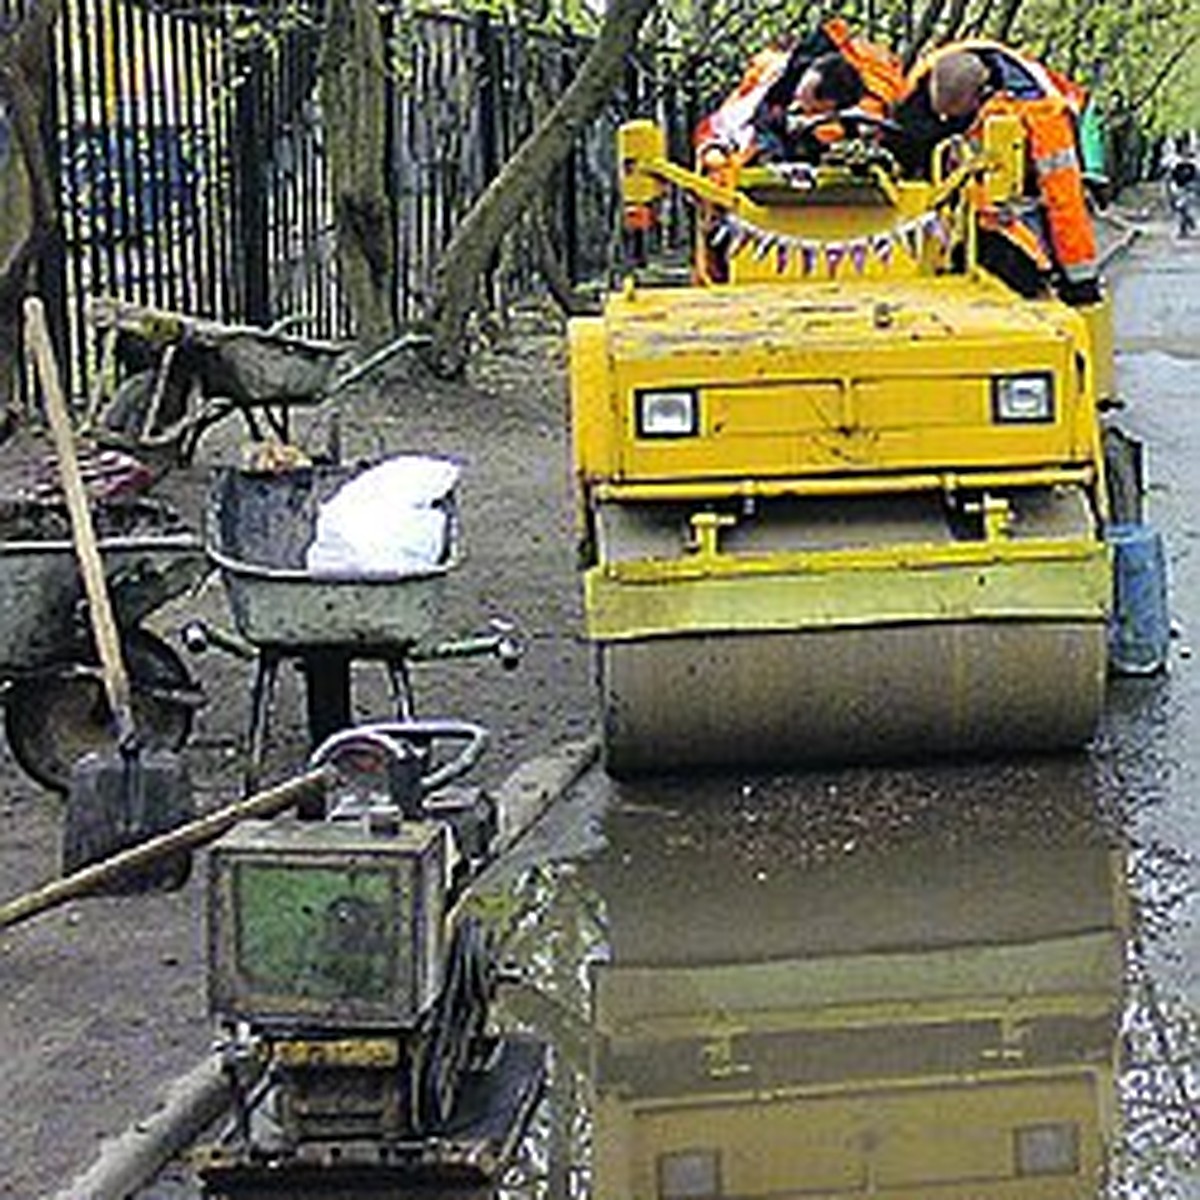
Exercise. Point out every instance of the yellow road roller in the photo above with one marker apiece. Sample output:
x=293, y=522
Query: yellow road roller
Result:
x=842, y=495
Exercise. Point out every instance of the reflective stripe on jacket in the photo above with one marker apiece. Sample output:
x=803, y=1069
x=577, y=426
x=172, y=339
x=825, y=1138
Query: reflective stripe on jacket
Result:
x=1050, y=135
x=1021, y=231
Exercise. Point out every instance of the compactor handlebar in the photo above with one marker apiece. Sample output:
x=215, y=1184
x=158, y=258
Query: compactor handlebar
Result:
x=397, y=741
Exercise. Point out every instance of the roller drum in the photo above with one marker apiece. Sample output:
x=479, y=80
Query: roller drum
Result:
x=898, y=692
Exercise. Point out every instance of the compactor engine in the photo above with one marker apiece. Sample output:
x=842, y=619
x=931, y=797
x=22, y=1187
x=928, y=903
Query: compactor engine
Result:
x=354, y=987
x=844, y=495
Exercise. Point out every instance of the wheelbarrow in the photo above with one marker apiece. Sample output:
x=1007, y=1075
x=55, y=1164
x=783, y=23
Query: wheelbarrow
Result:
x=50, y=677
x=257, y=529
x=166, y=377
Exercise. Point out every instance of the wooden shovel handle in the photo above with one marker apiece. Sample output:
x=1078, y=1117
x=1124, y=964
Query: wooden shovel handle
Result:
x=87, y=550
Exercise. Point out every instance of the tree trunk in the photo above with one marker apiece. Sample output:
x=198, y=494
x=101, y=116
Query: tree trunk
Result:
x=353, y=105
x=456, y=283
x=925, y=27
x=28, y=205
x=1002, y=30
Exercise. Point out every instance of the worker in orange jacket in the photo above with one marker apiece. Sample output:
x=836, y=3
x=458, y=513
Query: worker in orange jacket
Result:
x=953, y=90
x=828, y=72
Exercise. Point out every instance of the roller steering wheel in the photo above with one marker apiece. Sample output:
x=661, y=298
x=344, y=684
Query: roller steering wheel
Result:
x=850, y=119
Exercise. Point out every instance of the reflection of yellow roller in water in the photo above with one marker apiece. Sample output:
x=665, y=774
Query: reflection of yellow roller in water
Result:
x=907, y=1023
x=851, y=501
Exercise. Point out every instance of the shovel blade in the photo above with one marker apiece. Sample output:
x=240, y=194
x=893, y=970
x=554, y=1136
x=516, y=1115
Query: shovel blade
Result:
x=119, y=800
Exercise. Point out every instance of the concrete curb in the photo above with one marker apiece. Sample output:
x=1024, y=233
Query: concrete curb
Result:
x=129, y=1161
x=530, y=790
x=192, y=1102
x=1128, y=231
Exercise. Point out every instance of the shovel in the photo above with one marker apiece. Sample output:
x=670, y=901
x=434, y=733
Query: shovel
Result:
x=118, y=797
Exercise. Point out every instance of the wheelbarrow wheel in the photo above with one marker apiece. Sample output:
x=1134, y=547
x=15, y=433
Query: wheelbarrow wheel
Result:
x=53, y=718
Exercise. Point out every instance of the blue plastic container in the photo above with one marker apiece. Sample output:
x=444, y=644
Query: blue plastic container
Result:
x=1140, y=630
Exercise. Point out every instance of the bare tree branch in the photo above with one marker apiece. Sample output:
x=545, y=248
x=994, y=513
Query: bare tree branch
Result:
x=978, y=23
x=924, y=31
x=954, y=19
x=553, y=272
x=522, y=177
x=1003, y=27
x=1164, y=71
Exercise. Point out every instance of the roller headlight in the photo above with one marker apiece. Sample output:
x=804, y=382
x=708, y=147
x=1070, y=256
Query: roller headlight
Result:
x=1023, y=399
x=1047, y=1149
x=667, y=414
x=689, y=1175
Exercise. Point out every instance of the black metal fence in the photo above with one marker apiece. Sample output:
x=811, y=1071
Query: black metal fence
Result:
x=193, y=173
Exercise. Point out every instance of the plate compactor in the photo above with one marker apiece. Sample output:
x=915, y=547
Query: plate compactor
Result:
x=844, y=494
x=353, y=990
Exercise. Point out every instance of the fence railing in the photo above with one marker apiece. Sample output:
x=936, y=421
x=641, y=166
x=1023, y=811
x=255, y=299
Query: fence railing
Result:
x=193, y=174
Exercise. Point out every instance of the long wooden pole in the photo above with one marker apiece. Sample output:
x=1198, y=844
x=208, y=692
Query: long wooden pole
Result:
x=83, y=533
x=184, y=837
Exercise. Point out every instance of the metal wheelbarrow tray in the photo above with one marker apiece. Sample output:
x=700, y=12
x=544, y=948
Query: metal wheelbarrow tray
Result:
x=257, y=531
x=53, y=698
x=149, y=557
x=166, y=377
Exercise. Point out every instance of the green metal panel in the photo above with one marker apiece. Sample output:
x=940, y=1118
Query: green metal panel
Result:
x=319, y=925
x=319, y=931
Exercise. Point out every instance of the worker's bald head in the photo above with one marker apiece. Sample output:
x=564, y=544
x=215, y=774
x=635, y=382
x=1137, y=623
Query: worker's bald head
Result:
x=958, y=84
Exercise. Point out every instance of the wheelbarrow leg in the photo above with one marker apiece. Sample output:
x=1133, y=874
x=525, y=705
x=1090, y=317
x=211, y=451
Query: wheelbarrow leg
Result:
x=327, y=695
x=327, y=676
x=260, y=716
x=279, y=421
x=251, y=420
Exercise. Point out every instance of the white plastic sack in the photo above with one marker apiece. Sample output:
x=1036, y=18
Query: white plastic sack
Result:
x=408, y=479
x=385, y=521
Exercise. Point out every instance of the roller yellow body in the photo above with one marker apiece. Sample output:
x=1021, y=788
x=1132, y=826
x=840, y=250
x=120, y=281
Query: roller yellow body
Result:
x=868, y=521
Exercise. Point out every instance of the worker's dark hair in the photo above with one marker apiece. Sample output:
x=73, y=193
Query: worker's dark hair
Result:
x=840, y=81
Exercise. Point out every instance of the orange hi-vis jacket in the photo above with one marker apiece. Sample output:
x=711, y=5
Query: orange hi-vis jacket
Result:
x=728, y=132
x=881, y=70
x=1050, y=129
x=1048, y=108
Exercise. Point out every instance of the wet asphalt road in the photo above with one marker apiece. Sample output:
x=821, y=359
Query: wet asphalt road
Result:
x=1155, y=736
x=689, y=894
x=656, y=925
